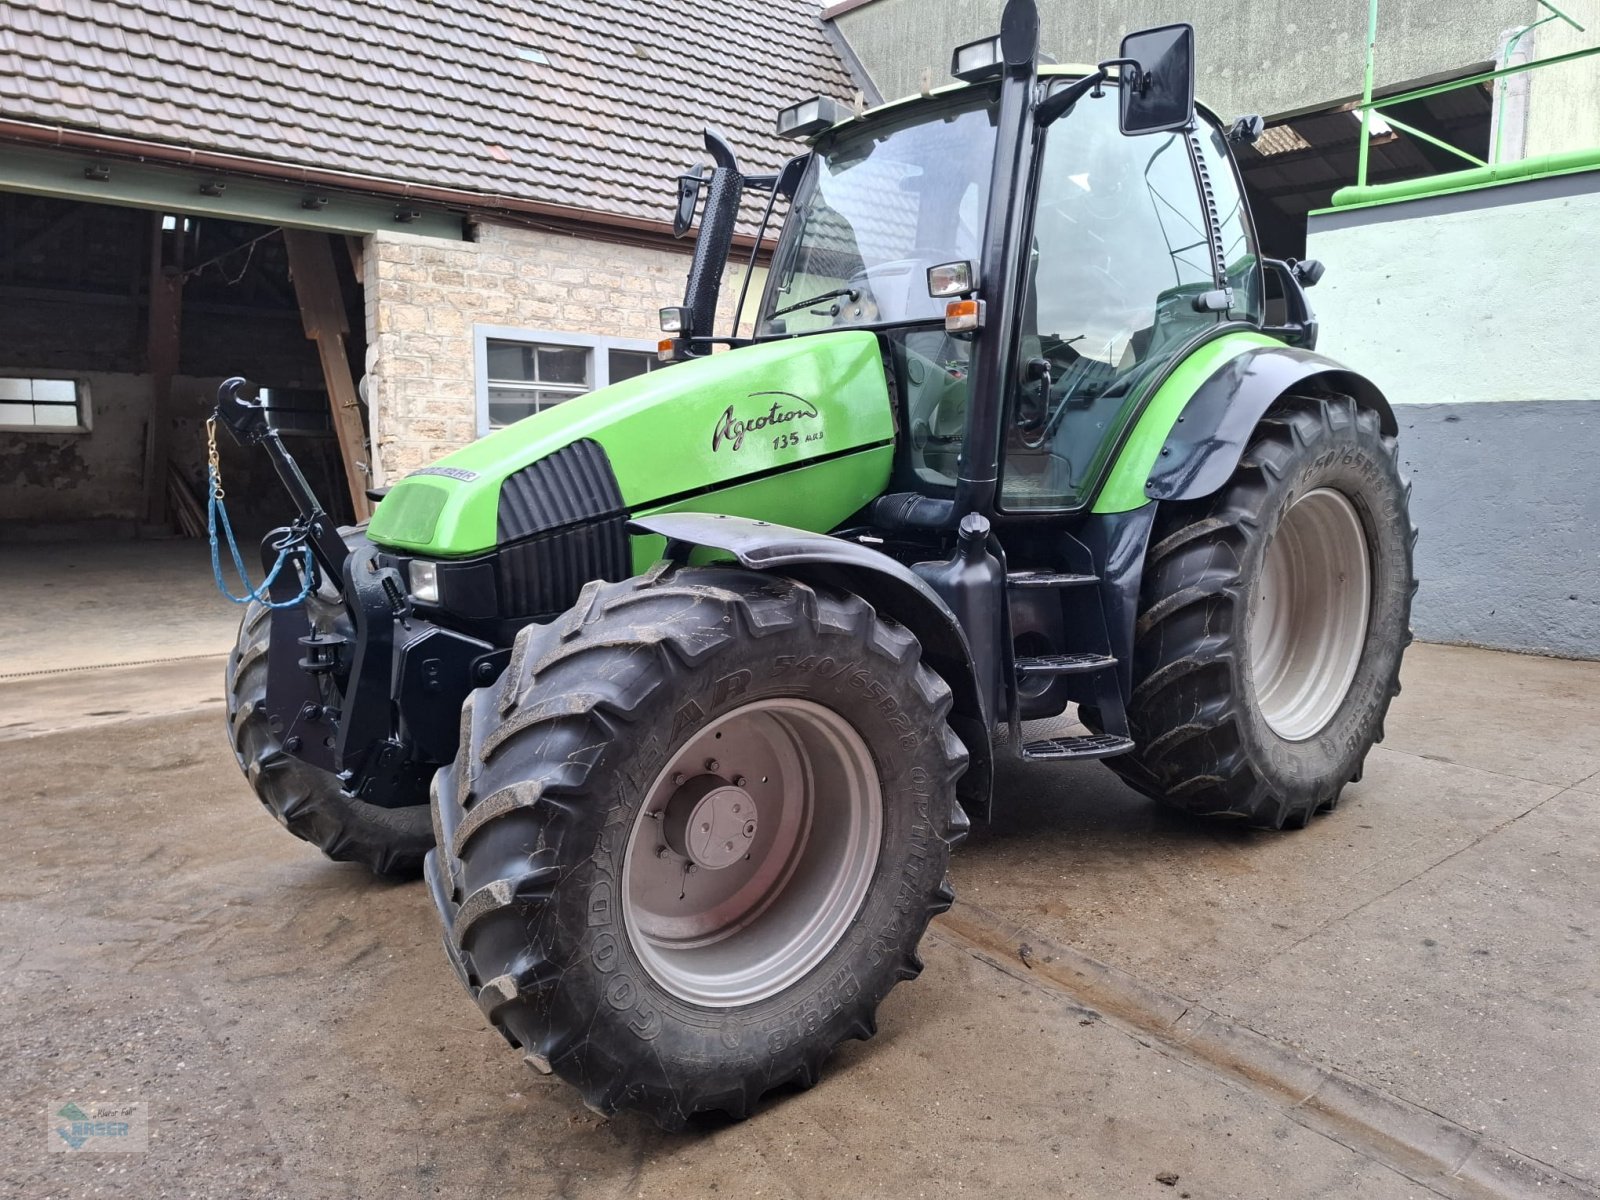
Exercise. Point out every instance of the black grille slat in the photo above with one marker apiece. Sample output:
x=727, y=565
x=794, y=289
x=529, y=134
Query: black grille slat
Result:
x=544, y=574
x=571, y=486
x=560, y=523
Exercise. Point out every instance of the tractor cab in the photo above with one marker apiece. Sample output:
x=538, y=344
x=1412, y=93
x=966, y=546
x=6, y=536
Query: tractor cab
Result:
x=1032, y=244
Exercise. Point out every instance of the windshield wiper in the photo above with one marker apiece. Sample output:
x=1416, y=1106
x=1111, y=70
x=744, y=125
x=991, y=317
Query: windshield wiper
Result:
x=833, y=295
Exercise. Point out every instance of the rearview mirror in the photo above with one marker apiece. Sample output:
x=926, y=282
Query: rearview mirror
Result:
x=689, y=184
x=788, y=181
x=1157, y=79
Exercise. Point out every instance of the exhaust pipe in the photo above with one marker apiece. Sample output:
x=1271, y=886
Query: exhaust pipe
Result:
x=711, y=248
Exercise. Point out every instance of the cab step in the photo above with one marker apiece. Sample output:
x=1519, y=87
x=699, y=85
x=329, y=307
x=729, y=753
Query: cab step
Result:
x=1063, y=664
x=1048, y=579
x=1089, y=745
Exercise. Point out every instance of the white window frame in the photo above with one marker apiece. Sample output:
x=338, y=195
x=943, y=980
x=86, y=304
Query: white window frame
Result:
x=599, y=362
x=85, y=423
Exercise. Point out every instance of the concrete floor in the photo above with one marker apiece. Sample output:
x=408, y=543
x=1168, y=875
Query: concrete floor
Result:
x=71, y=605
x=1399, y=1001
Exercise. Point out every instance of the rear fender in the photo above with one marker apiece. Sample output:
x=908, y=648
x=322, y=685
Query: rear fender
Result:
x=891, y=588
x=1209, y=437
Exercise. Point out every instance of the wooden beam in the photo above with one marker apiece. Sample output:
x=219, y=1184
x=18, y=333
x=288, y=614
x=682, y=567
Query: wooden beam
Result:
x=316, y=286
x=165, y=325
x=353, y=244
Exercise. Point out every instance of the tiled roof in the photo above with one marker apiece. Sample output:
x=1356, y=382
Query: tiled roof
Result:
x=588, y=103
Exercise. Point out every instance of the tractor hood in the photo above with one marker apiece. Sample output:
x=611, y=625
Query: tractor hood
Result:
x=799, y=431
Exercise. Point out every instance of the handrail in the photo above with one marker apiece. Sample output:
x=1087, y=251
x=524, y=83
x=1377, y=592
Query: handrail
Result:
x=1368, y=105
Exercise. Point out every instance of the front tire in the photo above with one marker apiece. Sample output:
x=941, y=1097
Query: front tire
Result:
x=305, y=800
x=694, y=836
x=1272, y=622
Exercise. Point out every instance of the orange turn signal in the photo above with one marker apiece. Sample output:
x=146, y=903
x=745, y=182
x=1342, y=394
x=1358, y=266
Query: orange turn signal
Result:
x=665, y=349
x=963, y=315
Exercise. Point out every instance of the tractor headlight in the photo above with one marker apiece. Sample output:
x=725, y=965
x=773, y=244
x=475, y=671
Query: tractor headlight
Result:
x=976, y=60
x=950, y=279
x=808, y=117
x=675, y=320
x=424, y=579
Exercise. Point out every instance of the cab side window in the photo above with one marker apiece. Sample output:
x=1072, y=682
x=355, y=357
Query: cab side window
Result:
x=1120, y=250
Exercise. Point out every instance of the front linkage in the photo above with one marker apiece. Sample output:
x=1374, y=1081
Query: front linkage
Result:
x=373, y=697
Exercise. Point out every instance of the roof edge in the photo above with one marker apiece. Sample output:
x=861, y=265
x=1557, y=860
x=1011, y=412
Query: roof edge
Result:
x=841, y=7
x=513, y=208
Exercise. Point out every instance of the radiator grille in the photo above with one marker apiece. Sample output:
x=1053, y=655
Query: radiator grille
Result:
x=573, y=485
x=544, y=574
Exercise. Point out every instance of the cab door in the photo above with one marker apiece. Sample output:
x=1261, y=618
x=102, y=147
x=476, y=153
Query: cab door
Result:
x=1121, y=270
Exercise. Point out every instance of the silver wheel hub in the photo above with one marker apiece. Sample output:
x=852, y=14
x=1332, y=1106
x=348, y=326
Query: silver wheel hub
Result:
x=1309, y=613
x=752, y=853
x=709, y=822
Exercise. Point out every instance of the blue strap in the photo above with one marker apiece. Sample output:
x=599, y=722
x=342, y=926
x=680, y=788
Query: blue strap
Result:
x=215, y=509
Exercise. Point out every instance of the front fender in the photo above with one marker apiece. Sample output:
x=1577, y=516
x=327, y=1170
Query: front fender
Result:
x=891, y=588
x=1209, y=438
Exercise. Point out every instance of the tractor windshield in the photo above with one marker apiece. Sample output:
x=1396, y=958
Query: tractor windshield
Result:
x=880, y=204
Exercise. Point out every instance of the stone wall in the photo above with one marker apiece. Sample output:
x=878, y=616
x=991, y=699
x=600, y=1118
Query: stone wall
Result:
x=425, y=295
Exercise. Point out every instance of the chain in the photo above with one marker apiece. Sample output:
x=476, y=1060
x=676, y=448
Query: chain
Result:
x=213, y=459
x=292, y=546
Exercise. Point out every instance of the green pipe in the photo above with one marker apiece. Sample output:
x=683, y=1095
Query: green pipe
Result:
x=1484, y=77
x=1366, y=93
x=1396, y=123
x=1458, y=181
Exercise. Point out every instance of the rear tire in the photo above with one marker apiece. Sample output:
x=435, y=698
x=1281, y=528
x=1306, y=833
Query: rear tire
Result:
x=306, y=801
x=560, y=830
x=1261, y=680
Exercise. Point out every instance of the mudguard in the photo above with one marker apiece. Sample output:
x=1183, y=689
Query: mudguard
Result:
x=891, y=588
x=1208, y=439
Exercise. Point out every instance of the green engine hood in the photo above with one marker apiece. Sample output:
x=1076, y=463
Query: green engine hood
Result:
x=799, y=431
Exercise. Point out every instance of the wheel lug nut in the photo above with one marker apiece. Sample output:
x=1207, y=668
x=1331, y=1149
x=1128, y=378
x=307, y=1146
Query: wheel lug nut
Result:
x=705, y=827
x=735, y=808
x=712, y=765
x=663, y=853
x=749, y=829
x=677, y=779
x=738, y=781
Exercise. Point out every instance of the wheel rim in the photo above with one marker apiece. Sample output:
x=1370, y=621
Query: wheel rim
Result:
x=752, y=852
x=1309, y=615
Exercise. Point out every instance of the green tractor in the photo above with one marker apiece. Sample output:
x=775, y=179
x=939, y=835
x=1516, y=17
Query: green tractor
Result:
x=704, y=670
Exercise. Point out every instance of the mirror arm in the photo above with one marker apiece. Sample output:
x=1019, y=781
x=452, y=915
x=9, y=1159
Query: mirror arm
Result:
x=1053, y=108
x=1137, y=80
